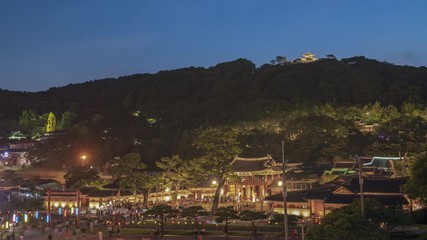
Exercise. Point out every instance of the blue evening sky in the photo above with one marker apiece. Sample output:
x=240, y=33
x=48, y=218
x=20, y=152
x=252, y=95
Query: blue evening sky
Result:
x=51, y=43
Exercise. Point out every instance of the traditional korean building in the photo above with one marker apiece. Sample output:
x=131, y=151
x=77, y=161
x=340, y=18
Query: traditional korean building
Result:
x=296, y=203
x=306, y=58
x=89, y=198
x=204, y=191
x=258, y=178
x=349, y=164
x=324, y=198
x=255, y=178
x=62, y=199
x=96, y=198
x=17, y=136
x=385, y=190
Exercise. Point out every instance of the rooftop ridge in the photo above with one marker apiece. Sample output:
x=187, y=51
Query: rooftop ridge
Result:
x=268, y=157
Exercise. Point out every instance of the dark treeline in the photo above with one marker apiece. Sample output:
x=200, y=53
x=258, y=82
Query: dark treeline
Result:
x=158, y=113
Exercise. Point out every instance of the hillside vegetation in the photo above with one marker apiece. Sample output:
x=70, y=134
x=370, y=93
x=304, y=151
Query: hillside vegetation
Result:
x=312, y=106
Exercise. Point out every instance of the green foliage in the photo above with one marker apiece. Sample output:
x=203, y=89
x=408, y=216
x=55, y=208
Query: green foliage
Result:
x=420, y=216
x=403, y=134
x=280, y=218
x=281, y=60
x=259, y=103
x=65, y=150
x=348, y=223
x=131, y=172
x=252, y=216
x=33, y=123
x=219, y=148
x=343, y=223
x=416, y=187
x=30, y=204
x=159, y=213
x=422, y=237
x=28, y=119
x=194, y=212
x=66, y=121
x=81, y=176
x=390, y=217
x=225, y=214
x=10, y=177
x=179, y=172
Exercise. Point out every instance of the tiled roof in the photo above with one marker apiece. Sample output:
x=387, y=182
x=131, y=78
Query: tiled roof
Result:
x=112, y=185
x=103, y=193
x=251, y=164
x=345, y=164
x=98, y=193
x=294, y=196
x=319, y=193
x=342, y=179
x=377, y=185
x=87, y=190
x=45, y=181
x=349, y=198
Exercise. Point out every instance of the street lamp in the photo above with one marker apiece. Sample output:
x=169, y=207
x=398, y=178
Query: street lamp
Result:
x=83, y=158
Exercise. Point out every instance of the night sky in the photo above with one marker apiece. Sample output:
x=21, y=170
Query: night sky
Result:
x=52, y=43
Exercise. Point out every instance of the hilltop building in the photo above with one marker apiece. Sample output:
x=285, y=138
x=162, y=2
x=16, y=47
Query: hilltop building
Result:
x=306, y=58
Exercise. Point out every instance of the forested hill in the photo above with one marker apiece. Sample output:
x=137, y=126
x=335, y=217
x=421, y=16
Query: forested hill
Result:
x=177, y=101
x=232, y=85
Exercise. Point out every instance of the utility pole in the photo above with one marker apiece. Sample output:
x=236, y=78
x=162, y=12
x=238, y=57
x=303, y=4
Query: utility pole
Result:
x=78, y=209
x=48, y=208
x=362, y=202
x=284, y=192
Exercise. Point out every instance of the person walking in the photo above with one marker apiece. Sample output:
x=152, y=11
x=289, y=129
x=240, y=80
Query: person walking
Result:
x=255, y=233
x=295, y=234
x=201, y=233
x=196, y=233
x=110, y=231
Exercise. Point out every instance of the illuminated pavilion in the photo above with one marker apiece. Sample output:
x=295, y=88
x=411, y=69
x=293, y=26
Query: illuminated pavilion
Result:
x=307, y=58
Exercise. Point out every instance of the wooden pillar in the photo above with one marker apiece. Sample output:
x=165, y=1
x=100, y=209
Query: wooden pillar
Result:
x=261, y=195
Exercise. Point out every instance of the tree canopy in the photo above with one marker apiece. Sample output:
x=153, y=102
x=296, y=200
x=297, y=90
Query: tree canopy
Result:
x=252, y=216
x=194, y=212
x=159, y=213
x=225, y=214
x=179, y=172
x=159, y=114
x=130, y=172
x=219, y=147
x=80, y=176
x=416, y=186
x=348, y=223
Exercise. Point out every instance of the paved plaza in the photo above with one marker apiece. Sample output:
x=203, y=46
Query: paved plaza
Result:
x=36, y=234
